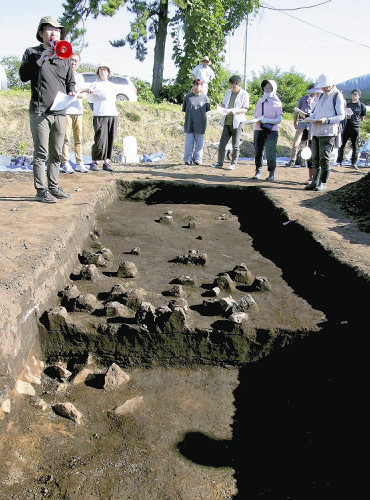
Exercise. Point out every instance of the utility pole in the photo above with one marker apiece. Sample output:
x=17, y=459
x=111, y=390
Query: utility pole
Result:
x=245, y=53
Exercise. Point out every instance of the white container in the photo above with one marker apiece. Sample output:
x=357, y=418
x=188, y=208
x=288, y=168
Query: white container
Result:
x=129, y=146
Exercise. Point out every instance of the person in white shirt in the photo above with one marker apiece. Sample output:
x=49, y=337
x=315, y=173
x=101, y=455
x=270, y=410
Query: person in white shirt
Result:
x=74, y=123
x=103, y=96
x=203, y=72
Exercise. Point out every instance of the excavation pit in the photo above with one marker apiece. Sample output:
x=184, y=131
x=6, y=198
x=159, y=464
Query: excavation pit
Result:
x=260, y=407
x=176, y=282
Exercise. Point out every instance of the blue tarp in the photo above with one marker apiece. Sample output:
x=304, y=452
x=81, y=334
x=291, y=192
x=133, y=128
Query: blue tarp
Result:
x=359, y=82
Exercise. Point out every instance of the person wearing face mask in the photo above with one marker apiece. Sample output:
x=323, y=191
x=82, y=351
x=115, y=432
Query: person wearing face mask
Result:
x=269, y=111
x=102, y=94
x=74, y=123
x=196, y=105
x=48, y=75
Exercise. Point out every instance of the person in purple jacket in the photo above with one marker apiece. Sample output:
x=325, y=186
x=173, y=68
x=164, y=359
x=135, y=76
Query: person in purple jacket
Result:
x=269, y=111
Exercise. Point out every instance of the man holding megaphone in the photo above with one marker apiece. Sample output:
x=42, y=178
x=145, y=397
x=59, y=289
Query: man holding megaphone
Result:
x=49, y=69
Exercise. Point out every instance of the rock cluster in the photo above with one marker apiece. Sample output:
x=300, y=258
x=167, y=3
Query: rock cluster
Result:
x=193, y=257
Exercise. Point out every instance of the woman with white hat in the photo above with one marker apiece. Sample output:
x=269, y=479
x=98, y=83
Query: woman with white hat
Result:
x=327, y=115
x=102, y=94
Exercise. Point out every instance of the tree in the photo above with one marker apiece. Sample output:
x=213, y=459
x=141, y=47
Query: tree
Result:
x=11, y=65
x=202, y=24
x=202, y=30
x=290, y=86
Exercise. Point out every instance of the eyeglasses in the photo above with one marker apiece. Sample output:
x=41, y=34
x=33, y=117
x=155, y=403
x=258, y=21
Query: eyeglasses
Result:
x=75, y=60
x=51, y=28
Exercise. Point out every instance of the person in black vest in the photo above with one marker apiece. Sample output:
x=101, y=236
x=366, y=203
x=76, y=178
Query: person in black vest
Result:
x=48, y=75
x=355, y=114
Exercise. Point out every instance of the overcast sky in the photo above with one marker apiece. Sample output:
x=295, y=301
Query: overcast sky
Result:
x=273, y=38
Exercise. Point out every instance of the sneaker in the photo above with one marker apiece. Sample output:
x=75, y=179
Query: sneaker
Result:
x=355, y=166
x=321, y=187
x=66, y=168
x=339, y=164
x=197, y=162
x=232, y=166
x=216, y=165
x=257, y=175
x=107, y=167
x=59, y=193
x=45, y=197
x=81, y=168
x=188, y=163
x=270, y=177
x=94, y=166
x=290, y=163
x=310, y=187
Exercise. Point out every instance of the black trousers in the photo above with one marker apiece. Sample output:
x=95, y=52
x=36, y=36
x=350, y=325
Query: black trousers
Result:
x=352, y=134
x=105, y=128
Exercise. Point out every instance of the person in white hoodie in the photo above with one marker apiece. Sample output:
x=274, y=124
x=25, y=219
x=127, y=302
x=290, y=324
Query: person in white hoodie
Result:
x=102, y=94
x=74, y=123
x=327, y=115
x=269, y=112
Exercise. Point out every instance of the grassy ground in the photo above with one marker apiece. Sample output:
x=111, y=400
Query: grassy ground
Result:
x=157, y=128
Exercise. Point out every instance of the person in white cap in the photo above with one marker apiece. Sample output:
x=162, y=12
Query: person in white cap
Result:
x=102, y=94
x=203, y=72
x=329, y=112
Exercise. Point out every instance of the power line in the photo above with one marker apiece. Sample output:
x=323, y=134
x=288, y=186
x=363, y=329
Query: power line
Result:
x=296, y=8
x=266, y=6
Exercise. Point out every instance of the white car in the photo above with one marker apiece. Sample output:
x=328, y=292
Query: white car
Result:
x=126, y=90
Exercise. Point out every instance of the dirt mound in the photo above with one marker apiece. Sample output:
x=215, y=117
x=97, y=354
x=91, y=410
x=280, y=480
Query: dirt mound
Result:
x=353, y=198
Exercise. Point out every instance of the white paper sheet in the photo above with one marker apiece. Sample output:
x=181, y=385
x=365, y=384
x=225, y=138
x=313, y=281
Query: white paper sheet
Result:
x=61, y=101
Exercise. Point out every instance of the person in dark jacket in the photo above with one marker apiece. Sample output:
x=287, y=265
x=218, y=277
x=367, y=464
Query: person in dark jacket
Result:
x=355, y=114
x=48, y=75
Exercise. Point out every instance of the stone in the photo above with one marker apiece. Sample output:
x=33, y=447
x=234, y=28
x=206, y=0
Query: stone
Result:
x=116, y=309
x=115, y=377
x=176, y=291
x=87, y=303
x=40, y=403
x=25, y=388
x=107, y=254
x=191, y=225
x=30, y=377
x=60, y=372
x=133, y=298
x=242, y=275
x=238, y=317
x=176, y=322
x=211, y=307
x=89, y=272
x=68, y=410
x=129, y=406
x=96, y=244
x=116, y=291
x=145, y=315
x=136, y=251
x=179, y=302
x=6, y=406
x=186, y=280
x=166, y=219
x=224, y=282
x=215, y=292
x=127, y=269
x=246, y=303
x=70, y=292
x=57, y=318
x=89, y=257
x=262, y=284
x=82, y=375
x=227, y=304
x=201, y=237
x=193, y=257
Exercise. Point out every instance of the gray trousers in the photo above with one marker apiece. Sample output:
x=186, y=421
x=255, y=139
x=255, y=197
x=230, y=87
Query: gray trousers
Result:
x=235, y=134
x=321, y=147
x=48, y=133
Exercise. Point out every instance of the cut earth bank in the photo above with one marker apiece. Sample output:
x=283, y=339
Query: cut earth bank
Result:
x=39, y=243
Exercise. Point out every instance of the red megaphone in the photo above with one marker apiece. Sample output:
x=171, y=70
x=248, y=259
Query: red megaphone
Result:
x=62, y=48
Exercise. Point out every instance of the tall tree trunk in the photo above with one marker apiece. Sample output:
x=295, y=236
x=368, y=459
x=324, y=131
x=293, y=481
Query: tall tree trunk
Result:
x=160, y=46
